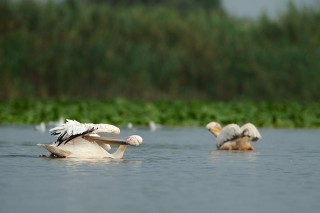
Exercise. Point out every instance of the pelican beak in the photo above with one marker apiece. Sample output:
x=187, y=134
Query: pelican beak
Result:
x=133, y=140
x=214, y=130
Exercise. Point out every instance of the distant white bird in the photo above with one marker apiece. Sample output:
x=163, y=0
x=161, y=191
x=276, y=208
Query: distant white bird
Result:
x=232, y=137
x=41, y=127
x=76, y=139
x=130, y=126
x=153, y=126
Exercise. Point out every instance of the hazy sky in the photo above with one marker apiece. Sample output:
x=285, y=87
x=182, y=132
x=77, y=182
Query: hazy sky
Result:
x=252, y=8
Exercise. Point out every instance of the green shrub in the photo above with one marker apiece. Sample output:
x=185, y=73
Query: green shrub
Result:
x=168, y=113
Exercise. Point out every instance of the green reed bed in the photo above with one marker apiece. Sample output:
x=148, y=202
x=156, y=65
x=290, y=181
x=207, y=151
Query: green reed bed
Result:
x=168, y=113
x=81, y=50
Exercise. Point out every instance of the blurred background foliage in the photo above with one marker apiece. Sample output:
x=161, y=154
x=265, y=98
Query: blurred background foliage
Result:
x=168, y=113
x=155, y=50
x=178, y=4
x=176, y=62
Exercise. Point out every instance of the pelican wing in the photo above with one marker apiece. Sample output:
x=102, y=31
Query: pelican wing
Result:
x=251, y=132
x=228, y=133
x=72, y=129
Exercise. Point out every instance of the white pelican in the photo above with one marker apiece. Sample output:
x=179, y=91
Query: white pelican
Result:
x=75, y=139
x=232, y=137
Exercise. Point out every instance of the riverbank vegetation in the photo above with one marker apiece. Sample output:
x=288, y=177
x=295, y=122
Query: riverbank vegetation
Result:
x=169, y=62
x=167, y=113
x=76, y=49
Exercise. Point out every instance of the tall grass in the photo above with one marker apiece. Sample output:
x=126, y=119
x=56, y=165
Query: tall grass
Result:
x=82, y=50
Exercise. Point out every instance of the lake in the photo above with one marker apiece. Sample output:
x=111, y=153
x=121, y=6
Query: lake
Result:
x=174, y=170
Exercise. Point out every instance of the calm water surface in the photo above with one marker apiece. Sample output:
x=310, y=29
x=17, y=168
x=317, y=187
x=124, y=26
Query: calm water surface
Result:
x=174, y=170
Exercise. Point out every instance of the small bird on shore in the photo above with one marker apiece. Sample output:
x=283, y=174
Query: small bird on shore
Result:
x=233, y=137
x=81, y=140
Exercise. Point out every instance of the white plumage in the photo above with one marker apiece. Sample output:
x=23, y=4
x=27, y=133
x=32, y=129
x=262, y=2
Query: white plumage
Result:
x=73, y=128
x=76, y=139
x=232, y=137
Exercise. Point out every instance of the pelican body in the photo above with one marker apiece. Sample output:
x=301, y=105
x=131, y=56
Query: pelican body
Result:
x=233, y=137
x=82, y=140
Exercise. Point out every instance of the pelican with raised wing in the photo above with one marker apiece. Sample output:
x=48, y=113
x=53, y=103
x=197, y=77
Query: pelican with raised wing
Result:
x=81, y=140
x=233, y=137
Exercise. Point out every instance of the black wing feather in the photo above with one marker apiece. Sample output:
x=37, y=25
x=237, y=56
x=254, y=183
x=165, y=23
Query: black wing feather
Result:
x=61, y=139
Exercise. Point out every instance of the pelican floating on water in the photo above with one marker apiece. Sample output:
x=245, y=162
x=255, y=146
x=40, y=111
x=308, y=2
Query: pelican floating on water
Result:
x=233, y=137
x=76, y=139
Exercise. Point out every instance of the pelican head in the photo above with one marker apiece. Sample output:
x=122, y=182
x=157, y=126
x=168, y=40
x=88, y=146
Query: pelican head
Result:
x=214, y=128
x=134, y=140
